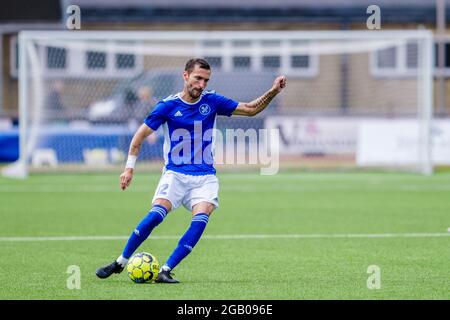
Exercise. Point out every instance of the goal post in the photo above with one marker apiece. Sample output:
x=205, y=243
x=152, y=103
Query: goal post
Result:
x=82, y=94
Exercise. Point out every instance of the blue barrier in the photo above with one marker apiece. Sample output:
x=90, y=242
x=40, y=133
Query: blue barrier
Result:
x=9, y=145
x=70, y=142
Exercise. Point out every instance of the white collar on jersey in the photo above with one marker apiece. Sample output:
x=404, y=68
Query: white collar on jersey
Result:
x=178, y=95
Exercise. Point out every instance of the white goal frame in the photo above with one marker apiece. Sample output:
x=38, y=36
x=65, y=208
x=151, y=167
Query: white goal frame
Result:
x=425, y=60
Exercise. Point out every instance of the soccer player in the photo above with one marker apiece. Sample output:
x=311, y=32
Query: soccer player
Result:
x=188, y=177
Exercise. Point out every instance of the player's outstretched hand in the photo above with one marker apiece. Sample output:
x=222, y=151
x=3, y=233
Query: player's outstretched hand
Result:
x=125, y=178
x=279, y=84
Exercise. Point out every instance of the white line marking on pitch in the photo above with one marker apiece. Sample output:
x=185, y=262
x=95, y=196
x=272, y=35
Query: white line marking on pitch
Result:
x=289, y=188
x=236, y=237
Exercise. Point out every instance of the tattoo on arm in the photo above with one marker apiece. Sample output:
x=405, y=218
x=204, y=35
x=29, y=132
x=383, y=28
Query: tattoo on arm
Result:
x=262, y=102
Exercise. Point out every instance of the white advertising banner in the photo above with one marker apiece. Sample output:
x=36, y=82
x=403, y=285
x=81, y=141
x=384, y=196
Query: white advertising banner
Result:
x=303, y=135
x=387, y=142
x=440, y=134
x=395, y=142
x=373, y=141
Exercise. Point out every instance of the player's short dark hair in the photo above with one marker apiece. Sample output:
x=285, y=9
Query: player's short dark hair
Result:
x=202, y=63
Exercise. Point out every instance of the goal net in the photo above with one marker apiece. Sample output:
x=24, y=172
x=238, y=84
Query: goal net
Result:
x=354, y=98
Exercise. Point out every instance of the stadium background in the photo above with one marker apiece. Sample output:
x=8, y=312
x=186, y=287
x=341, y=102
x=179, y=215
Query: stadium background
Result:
x=325, y=228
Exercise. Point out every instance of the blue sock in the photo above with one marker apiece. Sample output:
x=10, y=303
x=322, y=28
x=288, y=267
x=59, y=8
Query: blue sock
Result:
x=142, y=231
x=189, y=239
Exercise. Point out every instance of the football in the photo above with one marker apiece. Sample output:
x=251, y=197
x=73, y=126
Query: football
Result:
x=142, y=267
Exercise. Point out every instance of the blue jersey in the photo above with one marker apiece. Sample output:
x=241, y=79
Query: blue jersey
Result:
x=189, y=130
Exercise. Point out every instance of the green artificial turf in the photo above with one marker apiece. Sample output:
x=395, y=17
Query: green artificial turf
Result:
x=288, y=236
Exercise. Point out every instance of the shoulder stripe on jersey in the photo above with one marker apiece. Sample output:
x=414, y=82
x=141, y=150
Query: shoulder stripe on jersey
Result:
x=171, y=97
x=205, y=92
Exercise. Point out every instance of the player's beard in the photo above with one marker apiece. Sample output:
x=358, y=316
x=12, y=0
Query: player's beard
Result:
x=195, y=93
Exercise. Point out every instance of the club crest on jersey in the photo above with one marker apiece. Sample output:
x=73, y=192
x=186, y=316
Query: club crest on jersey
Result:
x=204, y=109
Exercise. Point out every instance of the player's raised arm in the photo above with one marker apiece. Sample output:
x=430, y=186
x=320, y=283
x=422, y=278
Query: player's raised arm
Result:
x=254, y=107
x=135, y=146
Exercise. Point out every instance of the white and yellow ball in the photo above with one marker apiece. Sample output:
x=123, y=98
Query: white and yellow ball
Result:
x=142, y=267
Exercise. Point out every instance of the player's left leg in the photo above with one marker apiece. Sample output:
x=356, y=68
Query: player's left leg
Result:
x=200, y=218
x=201, y=199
